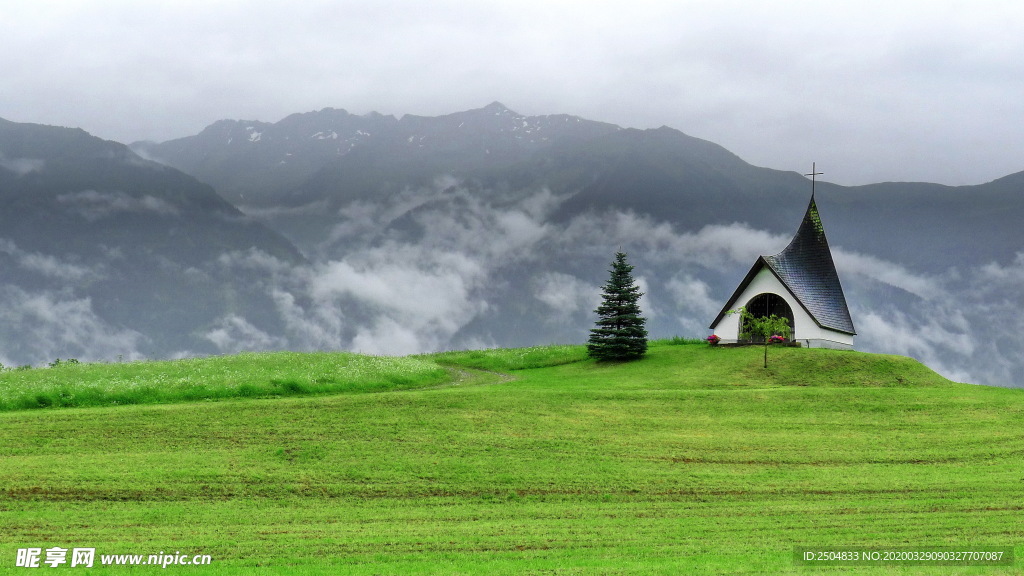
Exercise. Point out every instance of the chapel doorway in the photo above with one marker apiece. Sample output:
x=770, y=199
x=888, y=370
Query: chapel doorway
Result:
x=767, y=304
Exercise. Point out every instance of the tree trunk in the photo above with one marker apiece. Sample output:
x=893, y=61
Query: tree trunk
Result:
x=765, y=353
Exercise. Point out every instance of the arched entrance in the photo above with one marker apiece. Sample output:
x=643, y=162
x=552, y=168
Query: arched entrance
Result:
x=766, y=304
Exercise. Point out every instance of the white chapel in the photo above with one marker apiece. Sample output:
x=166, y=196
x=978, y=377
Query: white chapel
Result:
x=801, y=284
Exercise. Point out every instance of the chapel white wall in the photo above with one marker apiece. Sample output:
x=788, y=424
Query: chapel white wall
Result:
x=805, y=329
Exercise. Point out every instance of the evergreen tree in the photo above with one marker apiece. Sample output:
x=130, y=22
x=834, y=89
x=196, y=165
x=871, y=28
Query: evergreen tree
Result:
x=619, y=333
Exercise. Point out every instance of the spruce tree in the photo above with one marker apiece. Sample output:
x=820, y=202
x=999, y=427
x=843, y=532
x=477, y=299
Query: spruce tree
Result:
x=619, y=333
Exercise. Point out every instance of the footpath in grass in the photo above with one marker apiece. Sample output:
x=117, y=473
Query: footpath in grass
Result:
x=692, y=461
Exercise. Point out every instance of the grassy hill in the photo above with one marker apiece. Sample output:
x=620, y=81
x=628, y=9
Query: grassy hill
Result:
x=531, y=461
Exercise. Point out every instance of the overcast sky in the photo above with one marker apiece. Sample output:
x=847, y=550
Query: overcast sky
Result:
x=871, y=91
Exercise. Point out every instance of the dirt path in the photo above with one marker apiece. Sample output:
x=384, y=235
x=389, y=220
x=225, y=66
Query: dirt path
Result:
x=462, y=376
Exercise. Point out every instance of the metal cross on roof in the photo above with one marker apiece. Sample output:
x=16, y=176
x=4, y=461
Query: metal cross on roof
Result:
x=813, y=173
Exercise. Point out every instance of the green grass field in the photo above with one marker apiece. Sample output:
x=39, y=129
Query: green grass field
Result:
x=251, y=375
x=694, y=460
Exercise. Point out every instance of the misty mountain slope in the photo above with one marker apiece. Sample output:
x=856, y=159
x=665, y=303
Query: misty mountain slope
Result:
x=101, y=248
x=101, y=192
x=930, y=226
x=248, y=160
x=258, y=163
x=682, y=179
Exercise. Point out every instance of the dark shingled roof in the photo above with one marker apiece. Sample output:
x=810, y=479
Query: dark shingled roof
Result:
x=806, y=268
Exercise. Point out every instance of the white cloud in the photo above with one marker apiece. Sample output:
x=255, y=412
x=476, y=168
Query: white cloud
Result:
x=271, y=212
x=944, y=348
x=320, y=327
x=391, y=337
x=691, y=293
x=233, y=334
x=21, y=166
x=49, y=265
x=565, y=294
x=1012, y=273
x=52, y=267
x=386, y=295
x=429, y=295
x=254, y=259
x=967, y=325
x=715, y=246
x=94, y=205
x=44, y=326
x=693, y=302
x=887, y=273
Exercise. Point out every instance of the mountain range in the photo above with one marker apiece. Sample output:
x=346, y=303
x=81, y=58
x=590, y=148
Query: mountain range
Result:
x=479, y=228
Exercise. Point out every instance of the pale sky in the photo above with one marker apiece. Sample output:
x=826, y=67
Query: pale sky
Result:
x=871, y=91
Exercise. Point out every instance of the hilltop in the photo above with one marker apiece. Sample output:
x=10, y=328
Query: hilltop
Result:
x=693, y=460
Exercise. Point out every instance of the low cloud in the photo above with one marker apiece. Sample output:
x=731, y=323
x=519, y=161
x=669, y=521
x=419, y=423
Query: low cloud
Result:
x=53, y=267
x=886, y=272
x=49, y=266
x=255, y=260
x=40, y=327
x=389, y=336
x=715, y=246
x=22, y=166
x=93, y=205
x=945, y=347
x=1013, y=273
x=565, y=294
x=965, y=325
x=692, y=296
x=421, y=297
x=318, y=326
x=437, y=289
x=233, y=334
x=269, y=213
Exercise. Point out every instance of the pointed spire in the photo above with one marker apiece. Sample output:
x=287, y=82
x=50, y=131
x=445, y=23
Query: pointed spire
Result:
x=807, y=269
